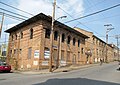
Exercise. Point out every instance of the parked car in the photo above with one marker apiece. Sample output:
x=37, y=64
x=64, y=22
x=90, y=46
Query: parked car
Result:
x=4, y=67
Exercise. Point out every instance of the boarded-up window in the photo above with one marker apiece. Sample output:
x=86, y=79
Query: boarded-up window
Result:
x=29, y=52
x=62, y=55
x=55, y=54
x=68, y=55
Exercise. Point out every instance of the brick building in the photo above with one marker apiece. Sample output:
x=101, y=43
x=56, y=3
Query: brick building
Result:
x=96, y=48
x=29, y=44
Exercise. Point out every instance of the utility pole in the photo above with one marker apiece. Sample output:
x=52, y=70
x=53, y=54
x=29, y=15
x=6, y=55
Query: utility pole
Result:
x=51, y=37
x=107, y=30
x=1, y=24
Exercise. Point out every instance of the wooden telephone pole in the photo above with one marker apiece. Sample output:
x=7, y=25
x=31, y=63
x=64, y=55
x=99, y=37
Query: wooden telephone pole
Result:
x=51, y=37
x=1, y=24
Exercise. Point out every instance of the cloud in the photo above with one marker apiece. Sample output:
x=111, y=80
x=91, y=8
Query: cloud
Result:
x=35, y=6
x=73, y=7
x=45, y=6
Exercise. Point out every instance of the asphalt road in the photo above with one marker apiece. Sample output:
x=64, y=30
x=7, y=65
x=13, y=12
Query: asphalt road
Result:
x=96, y=75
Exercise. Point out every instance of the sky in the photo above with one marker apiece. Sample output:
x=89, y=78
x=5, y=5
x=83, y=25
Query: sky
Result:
x=72, y=9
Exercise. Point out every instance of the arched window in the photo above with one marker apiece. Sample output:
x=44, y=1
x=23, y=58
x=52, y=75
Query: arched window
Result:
x=74, y=40
x=55, y=35
x=16, y=36
x=63, y=37
x=47, y=33
x=31, y=33
x=12, y=38
x=78, y=43
x=68, y=41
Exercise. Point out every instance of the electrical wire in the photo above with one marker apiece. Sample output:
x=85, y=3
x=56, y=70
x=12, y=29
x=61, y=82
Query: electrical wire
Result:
x=12, y=16
x=77, y=21
x=13, y=13
x=16, y=8
x=93, y=13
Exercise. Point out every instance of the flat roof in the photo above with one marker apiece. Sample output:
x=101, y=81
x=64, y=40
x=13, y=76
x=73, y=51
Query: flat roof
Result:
x=42, y=16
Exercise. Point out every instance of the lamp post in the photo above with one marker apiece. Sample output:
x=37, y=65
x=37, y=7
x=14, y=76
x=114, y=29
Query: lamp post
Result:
x=107, y=30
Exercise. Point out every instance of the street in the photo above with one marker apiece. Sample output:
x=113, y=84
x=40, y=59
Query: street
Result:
x=96, y=75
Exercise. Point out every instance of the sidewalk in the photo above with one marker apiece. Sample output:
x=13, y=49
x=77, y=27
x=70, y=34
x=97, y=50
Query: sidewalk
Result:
x=61, y=69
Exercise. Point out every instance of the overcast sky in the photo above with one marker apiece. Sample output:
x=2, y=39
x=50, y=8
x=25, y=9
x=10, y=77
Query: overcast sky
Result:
x=75, y=9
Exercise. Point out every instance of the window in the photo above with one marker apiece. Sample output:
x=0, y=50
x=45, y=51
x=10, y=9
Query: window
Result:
x=31, y=33
x=29, y=52
x=62, y=55
x=15, y=51
x=68, y=41
x=21, y=35
x=78, y=43
x=20, y=51
x=47, y=33
x=10, y=53
x=63, y=37
x=55, y=35
x=93, y=40
x=82, y=50
x=74, y=40
x=78, y=55
x=12, y=37
x=68, y=55
x=16, y=36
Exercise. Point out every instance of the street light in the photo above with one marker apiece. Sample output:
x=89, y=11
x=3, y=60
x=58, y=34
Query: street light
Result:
x=61, y=17
x=107, y=30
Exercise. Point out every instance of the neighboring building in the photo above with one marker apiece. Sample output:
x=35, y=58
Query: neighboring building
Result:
x=29, y=44
x=96, y=48
x=3, y=50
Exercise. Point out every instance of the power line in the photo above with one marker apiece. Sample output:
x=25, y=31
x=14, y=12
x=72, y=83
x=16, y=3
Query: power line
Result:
x=118, y=15
x=77, y=21
x=12, y=16
x=93, y=13
x=16, y=8
x=13, y=13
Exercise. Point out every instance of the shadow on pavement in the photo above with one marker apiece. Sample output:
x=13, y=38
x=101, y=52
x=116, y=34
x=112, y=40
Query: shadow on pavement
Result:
x=75, y=81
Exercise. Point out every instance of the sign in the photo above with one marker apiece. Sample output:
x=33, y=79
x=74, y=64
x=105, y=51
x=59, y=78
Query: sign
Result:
x=47, y=54
x=45, y=63
x=36, y=54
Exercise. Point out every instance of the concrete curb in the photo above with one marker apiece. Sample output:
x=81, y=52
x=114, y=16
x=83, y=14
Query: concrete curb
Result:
x=62, y=69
